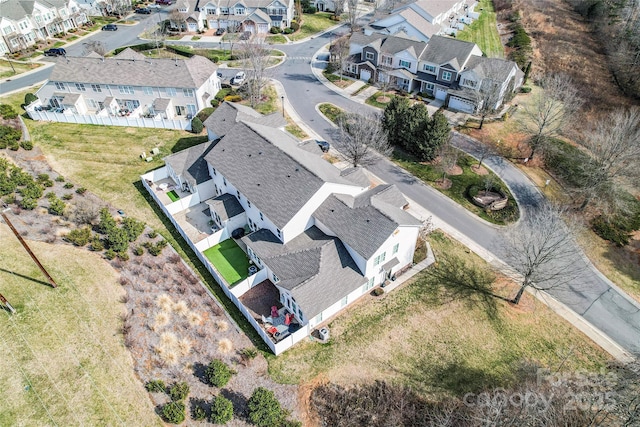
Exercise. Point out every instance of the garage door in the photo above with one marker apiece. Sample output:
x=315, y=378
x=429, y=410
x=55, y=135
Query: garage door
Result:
x=365, y=74
x=461, y=105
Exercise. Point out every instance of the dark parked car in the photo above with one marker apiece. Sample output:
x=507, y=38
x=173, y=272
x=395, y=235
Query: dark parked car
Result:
x=143, y=10
x=237, y=233
x=164, y=1
x=220, y=31
x=55, y=51
x=324, y=145
x=245, y=36
x=110, y=27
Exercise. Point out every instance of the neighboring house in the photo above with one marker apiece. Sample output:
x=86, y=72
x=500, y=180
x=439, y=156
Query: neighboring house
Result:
x=23, y=23
x=128, y=85
x=256, y=16
x=447, y=69
x=229, y=113
x=319, y=238
x=328, y=5
x=425, y=18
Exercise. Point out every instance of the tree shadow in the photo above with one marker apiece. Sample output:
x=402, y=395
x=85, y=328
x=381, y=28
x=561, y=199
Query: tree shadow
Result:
x=187, y=142
x=239, y=401
x=202, y=403
x=22, y=276
x=199, y=371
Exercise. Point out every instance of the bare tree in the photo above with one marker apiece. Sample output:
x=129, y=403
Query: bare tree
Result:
x=448, y=156
x=255, y=54
x=362, y=137
x=352, y=6
x=383, y=77
x=488, y=96
x=614, y=149
x=550, y=110
x=485, y=151
x=542, y=250
x=340, y=53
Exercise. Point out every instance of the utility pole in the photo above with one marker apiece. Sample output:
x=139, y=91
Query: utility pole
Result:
x=31, y=254
x=6, y=303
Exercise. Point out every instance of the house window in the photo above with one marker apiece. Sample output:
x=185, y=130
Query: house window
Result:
x=224, y=181
x=261, y=217
x=180, y=110
x=125, y=89
x=405, y=64
x=191, y=109
x=6, y=30
x=248, y=203
x=369, y=56
x=211, y=11
x=80, y=87
x=380, y=258
x=344, y=301
x=468, y=82
x=279, y=232
x=187, y=92
x=275, y=278
x=147, y=90
x=387, y=60
x=224, y=10
x=446, y=76
x=300, y=314
x=239, y=197
x=395, y=248
x=171, y=91
x=239, y=11
x=428, y=87
x=92, y=103
x=213, y=170
x=367, y=285
x=429, y=68
x=60, y=86
x=96, y=88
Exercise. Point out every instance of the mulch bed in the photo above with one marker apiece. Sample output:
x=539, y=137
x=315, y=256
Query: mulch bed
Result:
x=172, y=325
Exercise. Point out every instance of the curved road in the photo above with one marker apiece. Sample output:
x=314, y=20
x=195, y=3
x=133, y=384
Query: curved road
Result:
x=592, y=296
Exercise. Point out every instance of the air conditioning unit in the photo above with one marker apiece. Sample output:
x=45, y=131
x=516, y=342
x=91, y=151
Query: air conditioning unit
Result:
x=324, y=333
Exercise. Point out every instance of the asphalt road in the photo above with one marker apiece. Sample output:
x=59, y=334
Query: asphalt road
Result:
x=590, y=296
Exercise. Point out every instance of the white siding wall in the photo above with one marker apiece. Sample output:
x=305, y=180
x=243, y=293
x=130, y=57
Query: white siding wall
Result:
x=406, y=236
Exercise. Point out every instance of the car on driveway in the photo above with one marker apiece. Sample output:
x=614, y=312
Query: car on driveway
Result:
x=110, y=27
x=324, y=145
x=164, y=1
x=220, y=31
x=238, y=79
x=153, y=7
x=143, y=10
x=237, y=233
x=55, y=51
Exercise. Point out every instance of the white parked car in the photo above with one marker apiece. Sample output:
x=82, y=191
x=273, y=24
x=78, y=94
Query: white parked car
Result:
x=239, y=78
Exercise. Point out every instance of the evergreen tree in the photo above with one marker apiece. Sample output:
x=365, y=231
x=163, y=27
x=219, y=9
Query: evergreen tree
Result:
x=394, y=117
x=435, y=132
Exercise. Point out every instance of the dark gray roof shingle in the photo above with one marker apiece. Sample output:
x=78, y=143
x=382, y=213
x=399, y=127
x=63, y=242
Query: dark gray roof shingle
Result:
x=190, y=163
x=179, y=73
x=442, y=50
x=317, y=269
x=226, y=206
x=229, y=113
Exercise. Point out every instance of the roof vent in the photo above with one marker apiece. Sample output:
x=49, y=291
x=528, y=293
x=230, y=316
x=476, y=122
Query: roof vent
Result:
x=297, y=170
x=368, y=220
x=249, y=154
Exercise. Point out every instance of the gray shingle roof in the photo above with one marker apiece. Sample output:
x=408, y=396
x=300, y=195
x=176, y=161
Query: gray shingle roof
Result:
x=229, y=113
x=496, y=68
x=419, y=23
x=131, y=54
x=389, y=44
x=226, y=205
x=261, y=166
x=441, y=50
x=365, y=222
x=190, y=163
x=17, y=10
x=356, y=175
x=180, y=73
x=317, y=269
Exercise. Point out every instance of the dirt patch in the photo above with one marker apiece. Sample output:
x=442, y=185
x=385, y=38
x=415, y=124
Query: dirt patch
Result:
x=383, y=99
x=173, y=327
x=479, y=170
x=456, y=170
x=444, y=184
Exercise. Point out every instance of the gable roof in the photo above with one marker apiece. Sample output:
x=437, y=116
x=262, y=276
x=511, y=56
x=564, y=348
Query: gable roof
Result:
x=495, y=68
x=17, y=10
x=315, y=268
x=229, y=113
x=267, y=166
x=179, y=73
x=390, y=44
x=226, y=206
x=445, y=50
x=190, y=164
x=421, y=24
x=130, y=54
x=434, y=7
x=366, y=221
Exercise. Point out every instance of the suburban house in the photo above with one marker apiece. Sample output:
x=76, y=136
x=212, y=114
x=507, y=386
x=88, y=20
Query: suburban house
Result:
x=425, y=18
x=255, y=16
x=316, y=238
x=447, y=69
x=327, y=5
x=138, y=90
x=23, y=23
x=229, y=113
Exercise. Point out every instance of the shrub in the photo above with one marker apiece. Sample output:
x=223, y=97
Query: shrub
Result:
x=378, y=291
x=68, y=185
x=179, y=391
x=7, y=111
x=67, y=196
x=249, y=353
x=218, y=373
x=294, y=26
x=133, y=228
x=174, y=412
x=156, y=249
x=215, y=103
x=215, y=59
x=275, y=30
x=199, y=413
x=14, y=145
x=525, y=89
x=196, y=125
x=29, y=98
x=138, y=250
x=59, y=178
x=264, y=409
x=233, y=98
x=44, y=180
x=181, y=50
x=107, y=223
x=79, y=236
x=81, y=190
x=96, y=244
x=221, y=410
x=205, y=113
x=156, y=386
x=9, y=136
x=123, y=256
x=110, y=254
x=56, y=206
x=27, y=145
x=118, y=239
x=288, y=30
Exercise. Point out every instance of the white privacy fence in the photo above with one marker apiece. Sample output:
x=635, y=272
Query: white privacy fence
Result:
x=90, y=119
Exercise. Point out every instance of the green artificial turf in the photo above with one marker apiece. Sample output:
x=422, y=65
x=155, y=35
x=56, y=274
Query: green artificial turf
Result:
x=230, y=261
x=173, y=196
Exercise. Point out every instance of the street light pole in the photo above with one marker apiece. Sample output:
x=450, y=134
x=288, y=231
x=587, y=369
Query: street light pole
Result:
x=10, y=63
x=282, y=98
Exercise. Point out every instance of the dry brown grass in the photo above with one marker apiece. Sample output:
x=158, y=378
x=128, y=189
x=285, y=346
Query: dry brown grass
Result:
x=194, y=319
x=165, y=302
x=181, y=308
x=168, y=340
x=225, y=346
x=162, y=319
x=222, y=325
x=184, y=346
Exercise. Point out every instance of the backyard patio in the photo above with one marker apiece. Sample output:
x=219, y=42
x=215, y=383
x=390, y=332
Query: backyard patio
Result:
x=230, y=261
x=167, y=191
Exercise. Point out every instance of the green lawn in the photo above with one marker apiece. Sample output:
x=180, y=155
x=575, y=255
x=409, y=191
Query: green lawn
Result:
x=173, y=196
x=373, y=99
x=423, y=337
x=313, y=24
x=484, y=31
x=7, y=71
x=229, y=260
